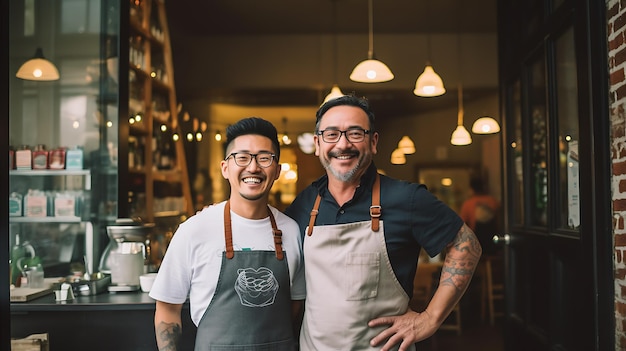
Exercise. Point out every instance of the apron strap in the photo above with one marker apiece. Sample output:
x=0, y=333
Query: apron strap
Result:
x=278, y=237
x=314, y=213
x=228, y=234
x=375, y=209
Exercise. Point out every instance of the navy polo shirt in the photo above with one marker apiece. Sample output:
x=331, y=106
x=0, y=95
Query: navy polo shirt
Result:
x=413, y=218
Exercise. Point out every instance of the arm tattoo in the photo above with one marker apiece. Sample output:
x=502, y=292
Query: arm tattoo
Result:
x=168, y=336
x=461, y=260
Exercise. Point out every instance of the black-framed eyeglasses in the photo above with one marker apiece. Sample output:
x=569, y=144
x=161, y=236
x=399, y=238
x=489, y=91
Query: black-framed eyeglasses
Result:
x=243, y=159
x=354, y=135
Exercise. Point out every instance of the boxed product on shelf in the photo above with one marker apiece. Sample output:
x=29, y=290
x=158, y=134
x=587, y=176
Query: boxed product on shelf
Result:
x=15, y=205
x=35, y=204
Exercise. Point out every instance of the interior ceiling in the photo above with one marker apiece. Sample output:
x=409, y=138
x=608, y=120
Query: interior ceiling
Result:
x=198, y=18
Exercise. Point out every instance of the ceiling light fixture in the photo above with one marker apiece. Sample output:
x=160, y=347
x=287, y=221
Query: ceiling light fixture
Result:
x=406, y=145
x=398, y=157
x=335, y=92
x=306, y=143
x=485, y=125
x=38, y=68
x=429, y=83
x=460, y=136
x=371, y=70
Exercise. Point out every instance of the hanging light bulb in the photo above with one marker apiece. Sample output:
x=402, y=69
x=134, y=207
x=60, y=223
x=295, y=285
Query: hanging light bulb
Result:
x=397, y=157
x=371, y=70
x=460, y=136
x=335, y=92
x=485, y=125
x=38, y=68
x=406, y=145
x=218, y=136
x=429, y=83
x=306, y=143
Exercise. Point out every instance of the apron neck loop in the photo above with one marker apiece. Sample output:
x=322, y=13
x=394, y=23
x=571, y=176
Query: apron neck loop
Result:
x=375, y=208
x=228, y=234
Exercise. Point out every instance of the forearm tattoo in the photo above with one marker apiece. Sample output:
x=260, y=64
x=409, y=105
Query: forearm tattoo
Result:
x=168, y=336
x=461, y=260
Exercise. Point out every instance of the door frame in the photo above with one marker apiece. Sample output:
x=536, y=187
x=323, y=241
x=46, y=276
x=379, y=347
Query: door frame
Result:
x=596, y=231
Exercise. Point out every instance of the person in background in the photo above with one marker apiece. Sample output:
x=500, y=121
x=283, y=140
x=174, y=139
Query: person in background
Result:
x=480, y=212
x=363, y=232
x=239, y=261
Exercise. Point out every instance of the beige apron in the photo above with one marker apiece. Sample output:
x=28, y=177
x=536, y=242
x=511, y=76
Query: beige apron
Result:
x=349, y=281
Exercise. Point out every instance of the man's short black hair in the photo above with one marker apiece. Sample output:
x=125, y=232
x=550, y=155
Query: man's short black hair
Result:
x=256, y=126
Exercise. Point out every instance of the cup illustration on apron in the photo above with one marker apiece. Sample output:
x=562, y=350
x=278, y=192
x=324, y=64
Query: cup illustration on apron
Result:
x=256, y=287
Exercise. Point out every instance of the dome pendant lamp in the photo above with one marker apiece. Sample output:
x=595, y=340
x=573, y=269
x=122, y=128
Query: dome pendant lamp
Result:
x=429, y=83
x=371, y=70
x=460, y=136
x=38, y=68
x=335, y=92
x=485, y=125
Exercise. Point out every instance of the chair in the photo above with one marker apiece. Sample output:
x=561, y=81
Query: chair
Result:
x=491, y=271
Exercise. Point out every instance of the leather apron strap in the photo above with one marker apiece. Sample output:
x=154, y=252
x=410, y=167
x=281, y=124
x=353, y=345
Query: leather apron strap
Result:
x=375, y=208
x=228, y=234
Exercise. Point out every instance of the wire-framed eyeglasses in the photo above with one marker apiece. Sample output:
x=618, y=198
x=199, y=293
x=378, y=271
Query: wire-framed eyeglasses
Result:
x=243, y=159
x=354, y=135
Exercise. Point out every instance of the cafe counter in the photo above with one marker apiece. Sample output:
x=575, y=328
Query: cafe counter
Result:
x=106, y=321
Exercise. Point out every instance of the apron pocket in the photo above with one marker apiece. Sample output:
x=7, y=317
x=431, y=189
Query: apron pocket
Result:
x=361, y=275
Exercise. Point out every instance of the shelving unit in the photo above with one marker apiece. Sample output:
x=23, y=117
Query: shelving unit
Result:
x=158, y=180
x=77, y=185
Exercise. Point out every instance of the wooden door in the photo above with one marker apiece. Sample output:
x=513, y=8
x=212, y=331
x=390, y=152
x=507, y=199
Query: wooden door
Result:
x=556, y=175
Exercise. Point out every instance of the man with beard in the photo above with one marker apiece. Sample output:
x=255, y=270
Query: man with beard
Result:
x=239, y=261
x=362, y=234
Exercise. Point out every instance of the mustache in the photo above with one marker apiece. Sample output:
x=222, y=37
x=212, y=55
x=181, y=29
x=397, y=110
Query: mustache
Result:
x=337, y=153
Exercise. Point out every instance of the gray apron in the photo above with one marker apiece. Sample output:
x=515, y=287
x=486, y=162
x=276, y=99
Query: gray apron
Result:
x=251, y=307
x=349, y=281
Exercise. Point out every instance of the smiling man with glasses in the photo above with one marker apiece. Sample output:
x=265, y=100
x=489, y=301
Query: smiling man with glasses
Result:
x=363, y=233
x=239, y=261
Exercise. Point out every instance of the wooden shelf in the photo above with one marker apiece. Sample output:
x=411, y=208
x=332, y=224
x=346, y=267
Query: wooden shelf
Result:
x=153, y=94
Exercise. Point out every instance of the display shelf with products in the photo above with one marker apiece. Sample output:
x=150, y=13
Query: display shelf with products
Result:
x=51, y=209
x=156, y=157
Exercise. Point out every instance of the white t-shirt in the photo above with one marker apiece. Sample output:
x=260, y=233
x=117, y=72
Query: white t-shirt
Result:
x=191, y=265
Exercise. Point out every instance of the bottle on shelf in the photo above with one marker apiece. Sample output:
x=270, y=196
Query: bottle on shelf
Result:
x=167, y=158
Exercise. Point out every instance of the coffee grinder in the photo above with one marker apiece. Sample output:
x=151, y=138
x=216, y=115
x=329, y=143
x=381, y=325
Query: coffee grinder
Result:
x=125, y=256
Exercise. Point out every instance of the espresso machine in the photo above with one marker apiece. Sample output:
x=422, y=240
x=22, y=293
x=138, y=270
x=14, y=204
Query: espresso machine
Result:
x=126, y=255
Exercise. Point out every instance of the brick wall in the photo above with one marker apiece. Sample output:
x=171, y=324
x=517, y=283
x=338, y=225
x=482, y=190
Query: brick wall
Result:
x=616, y=29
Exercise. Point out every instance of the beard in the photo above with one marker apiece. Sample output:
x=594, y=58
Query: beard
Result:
x=351, y=174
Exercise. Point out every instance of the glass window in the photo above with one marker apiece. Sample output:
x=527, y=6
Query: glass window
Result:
x=538, y=138
x=567, y=116
x=29, y=18
x=79, y=16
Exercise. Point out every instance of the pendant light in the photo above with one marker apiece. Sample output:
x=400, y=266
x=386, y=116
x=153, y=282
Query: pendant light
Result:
x=371, y=70
x=306, y=143
x=460, y=136
x=335, y=92
x=429, y=83
x=38, y=68
x=406, y=145
x=485, y=125
x=397, y=157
